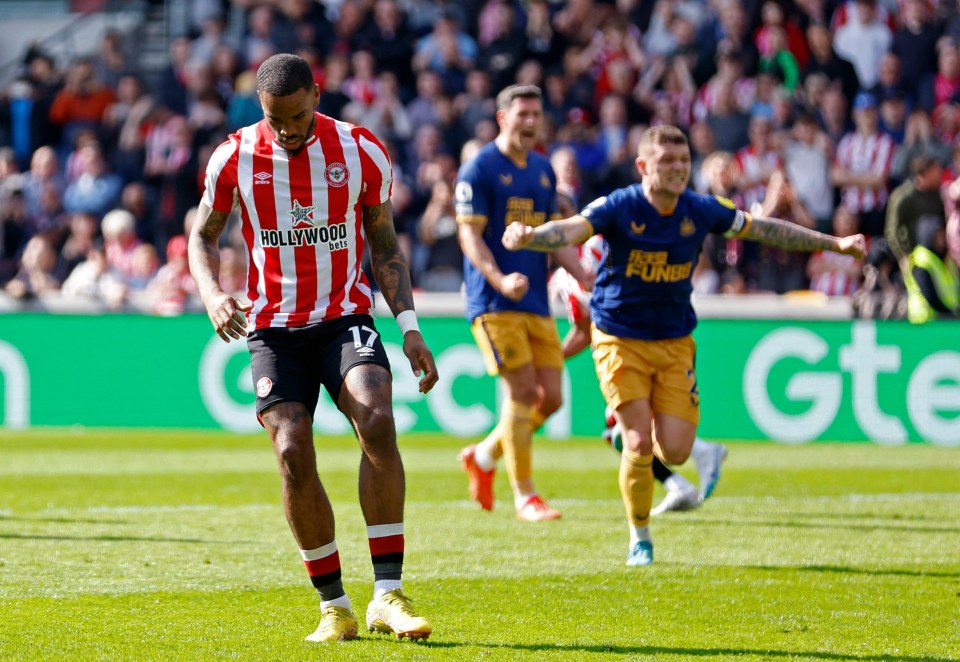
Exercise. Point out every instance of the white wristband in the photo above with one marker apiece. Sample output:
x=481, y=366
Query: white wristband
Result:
x=407, y=321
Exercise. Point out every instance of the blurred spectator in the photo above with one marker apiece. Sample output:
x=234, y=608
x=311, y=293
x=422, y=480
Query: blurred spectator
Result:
x=862, y=165
x=44, y=173
x=918, y=140
x=943, y=86
x=863, y=40
x=702, y=144
x=14, y=233
x=669, y=81
x=171, y=171
x=915, y=43
x=543, y=43
x=569, y=181
x=757, y=162
x=447, y=51
x=389, y=37
x=443, y=270
x=777, y=61
x=332, y=99
x=890, y=81
x=831, y=273
x=882, y=295
x=916, y=198
x=82, y=103
x=363, y=86
x=94, y=280
x=172, y=91
x=258, y=42
x=832, y=113
x=112, y=61
x=244, y=107
x=476, y=102
x=729, y=124
x=790, y=35
x=95, y=190
x=82, y=232
x=21, y=121
x=783, y=271
x=35, y=276
x=501, y=56
x=807, y=156
x=933, y=284
x=169, y=288
x=386, y=117
x=120, y=242
x=423, y=109
x=893, y=115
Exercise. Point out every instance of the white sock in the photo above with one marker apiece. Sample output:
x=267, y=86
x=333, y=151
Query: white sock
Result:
x=638, y=533
x=677, y=483
x=700, y=446
x=342, y=601
x=483, y=458
x=382, y=586
x=519, y=500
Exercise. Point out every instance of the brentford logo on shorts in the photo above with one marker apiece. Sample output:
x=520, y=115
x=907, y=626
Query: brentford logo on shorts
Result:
x=263, y=386
x=337, y=174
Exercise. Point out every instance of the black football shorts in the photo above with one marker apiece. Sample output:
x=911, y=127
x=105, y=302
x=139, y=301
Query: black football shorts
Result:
x=290, y=364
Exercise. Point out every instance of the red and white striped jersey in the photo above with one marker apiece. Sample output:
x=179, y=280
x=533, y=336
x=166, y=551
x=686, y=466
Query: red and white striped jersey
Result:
x=301, y=217
x=862, y=154
x=834, y=281
x=563, y=285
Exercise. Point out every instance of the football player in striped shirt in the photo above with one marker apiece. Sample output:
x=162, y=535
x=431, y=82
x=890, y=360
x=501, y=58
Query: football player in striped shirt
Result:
x=641, y=305
x=313, y=192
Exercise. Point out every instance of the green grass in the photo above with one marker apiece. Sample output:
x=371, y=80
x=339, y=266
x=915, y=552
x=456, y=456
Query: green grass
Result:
x=173, y=546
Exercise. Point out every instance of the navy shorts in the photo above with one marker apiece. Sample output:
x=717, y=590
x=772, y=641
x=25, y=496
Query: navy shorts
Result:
x=290, y=364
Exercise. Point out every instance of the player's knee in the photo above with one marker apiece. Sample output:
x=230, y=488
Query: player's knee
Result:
x=550, y=402
x=295, y=456
x=638, y=442
x=375, y=427
x=674, y=456
x=524, y=393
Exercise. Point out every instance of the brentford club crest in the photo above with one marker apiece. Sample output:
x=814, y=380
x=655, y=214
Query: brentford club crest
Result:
x=264, y=384
x=337, y=174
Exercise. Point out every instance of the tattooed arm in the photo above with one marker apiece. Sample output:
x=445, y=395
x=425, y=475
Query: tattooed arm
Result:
x=225, y=312
x=549, y=236
x=393, y=276
x=387, y=260
x=792, y=237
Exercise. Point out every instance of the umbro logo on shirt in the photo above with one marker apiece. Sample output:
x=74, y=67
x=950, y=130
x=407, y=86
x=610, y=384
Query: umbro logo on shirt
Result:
x=262, y=178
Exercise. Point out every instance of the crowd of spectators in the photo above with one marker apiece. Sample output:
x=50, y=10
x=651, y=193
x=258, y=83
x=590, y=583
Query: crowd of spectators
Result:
x=839, y=116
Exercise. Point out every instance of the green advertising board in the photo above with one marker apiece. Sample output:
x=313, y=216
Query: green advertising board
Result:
x=788, y=381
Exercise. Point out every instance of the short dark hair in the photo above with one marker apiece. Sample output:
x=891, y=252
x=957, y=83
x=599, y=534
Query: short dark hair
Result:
x=922, y=162
x=506, y=97
x=283, y=74
x=662, y=134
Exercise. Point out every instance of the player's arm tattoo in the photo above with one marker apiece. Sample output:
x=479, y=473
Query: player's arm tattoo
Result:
x=547, y=237
x=557, y=234
x=204, y=253
x=389, y=265
x=786, y=235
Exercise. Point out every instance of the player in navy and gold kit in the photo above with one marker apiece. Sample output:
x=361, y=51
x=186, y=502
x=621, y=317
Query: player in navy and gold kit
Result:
x=507, y=300
x=641, y=309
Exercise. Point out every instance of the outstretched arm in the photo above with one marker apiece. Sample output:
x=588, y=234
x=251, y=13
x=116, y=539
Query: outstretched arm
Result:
x=393, y=276
x=226, y=312
x=549, y=236
x=792, y=237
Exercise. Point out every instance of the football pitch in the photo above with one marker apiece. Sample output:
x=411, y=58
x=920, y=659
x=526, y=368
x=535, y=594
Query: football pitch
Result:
x=128, y=545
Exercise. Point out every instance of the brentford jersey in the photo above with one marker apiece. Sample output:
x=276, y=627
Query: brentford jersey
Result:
x=301, y=217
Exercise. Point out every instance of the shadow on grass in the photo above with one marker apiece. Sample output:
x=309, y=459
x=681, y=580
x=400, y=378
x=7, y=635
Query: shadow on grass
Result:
x=691, y=652
x=198, y=541
x=780, y=524
x=61, y=520
x=844, y=570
